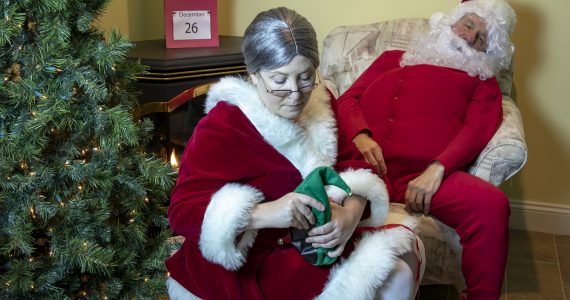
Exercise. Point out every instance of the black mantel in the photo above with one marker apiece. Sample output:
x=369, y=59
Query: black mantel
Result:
x=154, y=54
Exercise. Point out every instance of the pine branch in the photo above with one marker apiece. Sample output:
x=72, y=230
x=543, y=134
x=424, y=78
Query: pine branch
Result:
x=87, y=256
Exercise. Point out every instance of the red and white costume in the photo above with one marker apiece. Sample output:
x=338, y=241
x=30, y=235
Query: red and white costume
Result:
x=242, y=154
x=422, y=113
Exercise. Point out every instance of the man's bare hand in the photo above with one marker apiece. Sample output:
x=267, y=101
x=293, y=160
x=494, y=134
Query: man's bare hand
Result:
x=421, y=190
x=371, y=152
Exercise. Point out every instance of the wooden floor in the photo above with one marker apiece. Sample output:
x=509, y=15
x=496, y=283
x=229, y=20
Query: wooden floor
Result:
x=538, y=267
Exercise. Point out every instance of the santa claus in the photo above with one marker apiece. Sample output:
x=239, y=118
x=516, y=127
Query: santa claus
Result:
x=420, y=117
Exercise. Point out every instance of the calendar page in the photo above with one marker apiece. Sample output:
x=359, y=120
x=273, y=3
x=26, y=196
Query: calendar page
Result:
x=190, y=24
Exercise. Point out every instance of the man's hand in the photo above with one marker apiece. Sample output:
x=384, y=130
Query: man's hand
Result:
x=422, y=188
x=338, y=231
x=371, y=152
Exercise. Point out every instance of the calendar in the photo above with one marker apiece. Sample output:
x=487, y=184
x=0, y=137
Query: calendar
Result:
x=190, y=24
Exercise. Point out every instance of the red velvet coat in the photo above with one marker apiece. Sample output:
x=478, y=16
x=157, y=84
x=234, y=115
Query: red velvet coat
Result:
x=418, y=114
x=241, y=154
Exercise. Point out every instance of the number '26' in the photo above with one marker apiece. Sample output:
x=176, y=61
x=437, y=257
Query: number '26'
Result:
x=191, y=28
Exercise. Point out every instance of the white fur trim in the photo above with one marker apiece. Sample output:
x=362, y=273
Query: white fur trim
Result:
x=336, y=194
x=308, y=144
x=365, y=270
x=364, y=183
x=177, y=292
x=226, y=216
x=436, y=18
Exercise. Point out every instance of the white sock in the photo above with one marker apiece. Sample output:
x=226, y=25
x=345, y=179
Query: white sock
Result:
x=401, y=284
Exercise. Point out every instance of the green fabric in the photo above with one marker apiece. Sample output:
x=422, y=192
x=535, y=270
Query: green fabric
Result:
x=314, y=186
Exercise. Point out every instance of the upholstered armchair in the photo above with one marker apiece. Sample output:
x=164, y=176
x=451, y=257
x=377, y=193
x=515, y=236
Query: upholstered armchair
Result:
x=347, y=51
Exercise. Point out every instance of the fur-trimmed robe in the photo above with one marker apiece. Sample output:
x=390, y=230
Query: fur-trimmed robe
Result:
x=242, y=154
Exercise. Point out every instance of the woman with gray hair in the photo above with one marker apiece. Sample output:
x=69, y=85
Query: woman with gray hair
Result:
x=234, y=199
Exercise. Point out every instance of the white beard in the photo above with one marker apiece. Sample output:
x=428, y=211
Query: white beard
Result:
x=442, y=47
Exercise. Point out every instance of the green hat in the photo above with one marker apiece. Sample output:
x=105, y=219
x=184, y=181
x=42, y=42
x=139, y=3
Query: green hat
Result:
x=314, y=186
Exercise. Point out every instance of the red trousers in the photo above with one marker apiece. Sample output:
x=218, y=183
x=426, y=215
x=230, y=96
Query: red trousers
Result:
x=479, y=212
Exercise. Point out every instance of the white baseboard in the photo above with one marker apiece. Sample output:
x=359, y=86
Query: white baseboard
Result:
x=542, y=217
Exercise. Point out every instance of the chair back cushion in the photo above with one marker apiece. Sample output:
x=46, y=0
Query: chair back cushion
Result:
x=349, y=50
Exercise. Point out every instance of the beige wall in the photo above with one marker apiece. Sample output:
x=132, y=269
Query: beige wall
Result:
x=541, y=66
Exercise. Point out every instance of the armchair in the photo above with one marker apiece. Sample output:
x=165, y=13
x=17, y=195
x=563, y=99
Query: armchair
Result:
x=347, y=52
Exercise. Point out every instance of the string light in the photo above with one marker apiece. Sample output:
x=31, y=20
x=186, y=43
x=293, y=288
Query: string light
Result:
x=33, y=212
x=33, y=173
x=146, y=199
x=95, y=149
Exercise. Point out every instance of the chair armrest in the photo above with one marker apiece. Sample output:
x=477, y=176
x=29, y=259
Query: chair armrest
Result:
x=506, y=153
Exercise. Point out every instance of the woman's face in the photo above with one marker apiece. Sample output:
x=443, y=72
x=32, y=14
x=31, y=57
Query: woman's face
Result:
x=285, y=91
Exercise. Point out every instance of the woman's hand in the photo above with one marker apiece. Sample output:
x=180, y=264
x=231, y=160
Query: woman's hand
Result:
x=291, y=210
x=422, y=188
x=338, y=231
x=371, y=152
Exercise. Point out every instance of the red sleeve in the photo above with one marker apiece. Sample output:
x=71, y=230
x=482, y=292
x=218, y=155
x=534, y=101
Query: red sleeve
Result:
x=350, y=118
x=205, y=168
x=483, y=117
x=347, y=154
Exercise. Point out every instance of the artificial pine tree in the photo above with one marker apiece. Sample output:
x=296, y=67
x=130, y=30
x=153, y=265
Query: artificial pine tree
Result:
x=82, y=206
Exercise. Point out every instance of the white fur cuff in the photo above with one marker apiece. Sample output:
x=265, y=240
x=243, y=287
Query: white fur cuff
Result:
x=368, y=185
x=226, y=216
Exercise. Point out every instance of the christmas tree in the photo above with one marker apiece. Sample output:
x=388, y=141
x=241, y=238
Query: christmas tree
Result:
x=82, y=206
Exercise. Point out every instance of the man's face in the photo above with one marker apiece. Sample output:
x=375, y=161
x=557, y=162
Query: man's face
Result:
x=473, y=30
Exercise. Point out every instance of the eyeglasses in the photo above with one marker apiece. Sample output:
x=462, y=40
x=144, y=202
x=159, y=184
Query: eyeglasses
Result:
x=286, y=93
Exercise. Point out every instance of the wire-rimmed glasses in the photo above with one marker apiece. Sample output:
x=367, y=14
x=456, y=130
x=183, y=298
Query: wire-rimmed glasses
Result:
x=286, y=93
